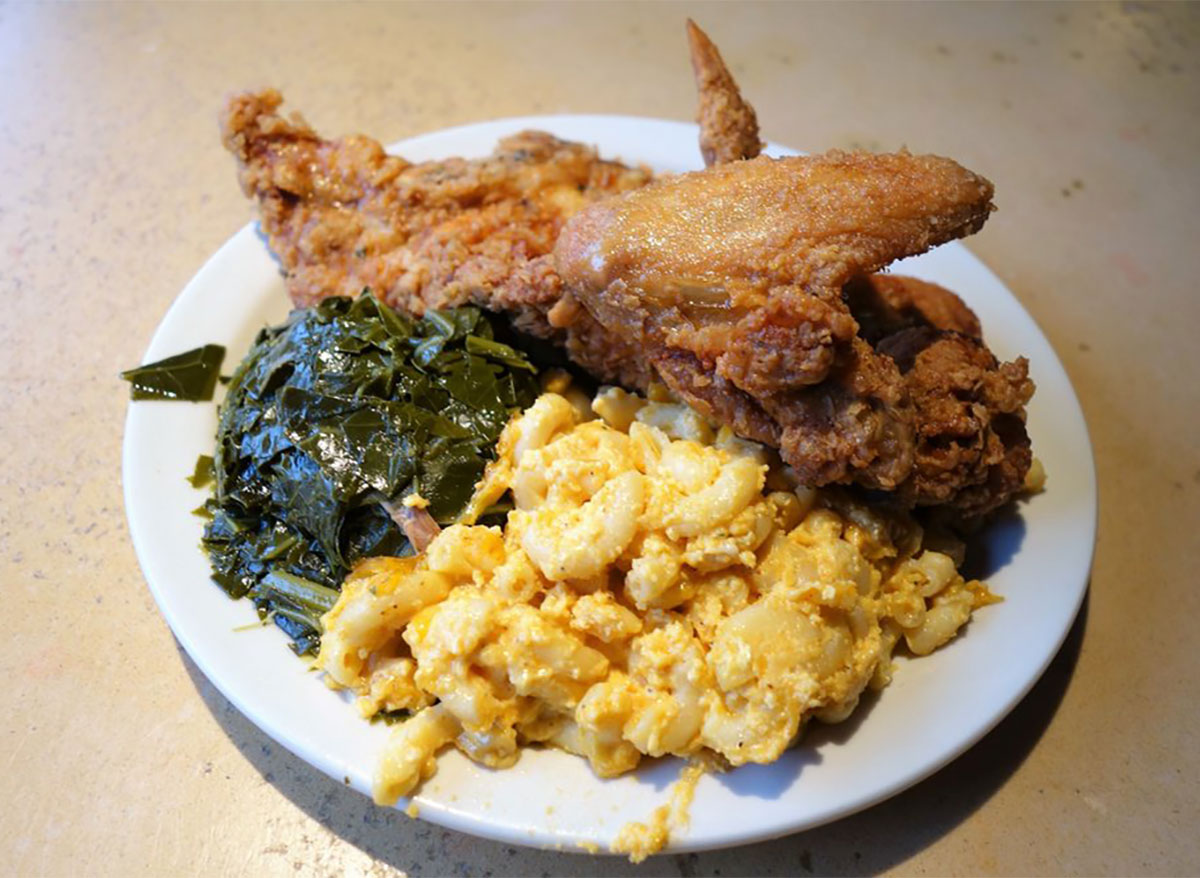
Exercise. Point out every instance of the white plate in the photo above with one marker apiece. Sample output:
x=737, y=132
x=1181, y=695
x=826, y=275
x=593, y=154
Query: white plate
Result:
x=935, y=709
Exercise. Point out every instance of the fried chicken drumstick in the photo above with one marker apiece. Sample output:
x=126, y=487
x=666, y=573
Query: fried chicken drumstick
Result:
x=747, y=287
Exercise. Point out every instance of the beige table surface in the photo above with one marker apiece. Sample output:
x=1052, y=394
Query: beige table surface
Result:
x=119, y=758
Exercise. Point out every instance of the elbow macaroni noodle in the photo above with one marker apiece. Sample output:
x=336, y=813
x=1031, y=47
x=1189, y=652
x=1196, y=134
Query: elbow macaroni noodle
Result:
x=660, y=588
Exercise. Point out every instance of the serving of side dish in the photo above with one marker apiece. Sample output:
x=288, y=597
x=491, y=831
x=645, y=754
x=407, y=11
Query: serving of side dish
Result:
x=1035, y=555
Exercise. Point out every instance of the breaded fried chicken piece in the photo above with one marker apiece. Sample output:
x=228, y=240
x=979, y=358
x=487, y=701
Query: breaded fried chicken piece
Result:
x=342, y=215
x=731, y=278
x=884, y=304
x=968, y=438
x=971, y=448
x=747, y=287
x=728, y=125
x=970, y=443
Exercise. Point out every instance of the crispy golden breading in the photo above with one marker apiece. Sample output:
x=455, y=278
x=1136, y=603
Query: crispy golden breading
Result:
x=887, y=303
x=342, y=215
x=728, y=125
x=747, y=287
x=730, y=234
x=732, y=279
x=969, y=441
x=970, y=444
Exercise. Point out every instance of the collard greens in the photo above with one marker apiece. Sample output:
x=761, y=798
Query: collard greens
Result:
x=190, y=376
x=345, y=405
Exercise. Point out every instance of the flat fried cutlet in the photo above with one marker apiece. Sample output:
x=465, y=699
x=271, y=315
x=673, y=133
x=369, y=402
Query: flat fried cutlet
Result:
x=342, y=215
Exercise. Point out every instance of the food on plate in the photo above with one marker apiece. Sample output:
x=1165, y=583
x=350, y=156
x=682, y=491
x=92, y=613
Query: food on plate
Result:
x=731, y=279
x=342, y=215
x=884, y=304
x=727, y=284
x=971, y=450
x=661, y=587
x=190, y=376
x=689, y=564
x=330, y=423
x=728, y=124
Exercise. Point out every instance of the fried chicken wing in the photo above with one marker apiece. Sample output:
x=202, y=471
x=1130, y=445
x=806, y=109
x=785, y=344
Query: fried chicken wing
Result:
x=732, y=280
x=968, y=443
x=728, y=125
x=731, y=232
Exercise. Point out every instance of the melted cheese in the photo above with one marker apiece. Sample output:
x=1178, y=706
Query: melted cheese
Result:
x=648, y=596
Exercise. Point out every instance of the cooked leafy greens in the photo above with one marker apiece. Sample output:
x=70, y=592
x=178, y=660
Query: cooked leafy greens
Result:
x=202, y=476
x=190, y=376
x=345, y=405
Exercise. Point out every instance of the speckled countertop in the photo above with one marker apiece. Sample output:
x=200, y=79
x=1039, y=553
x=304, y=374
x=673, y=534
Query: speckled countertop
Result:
x=119, y=758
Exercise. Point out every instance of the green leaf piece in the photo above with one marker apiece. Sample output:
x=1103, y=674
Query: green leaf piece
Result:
x=190, y=376
x=202, y=475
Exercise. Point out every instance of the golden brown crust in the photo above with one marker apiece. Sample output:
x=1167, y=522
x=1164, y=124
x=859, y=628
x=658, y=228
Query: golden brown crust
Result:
x=731, y=279
x=971, y=446
x=738, y=229
x=728, y=124
x=742, y=287
x=855, y=426
x=715, y=397
x=342, y=215
x=793, y=340
x=886, y=303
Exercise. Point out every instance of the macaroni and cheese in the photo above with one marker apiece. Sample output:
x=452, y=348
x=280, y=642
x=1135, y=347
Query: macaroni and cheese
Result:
x=661, y=587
